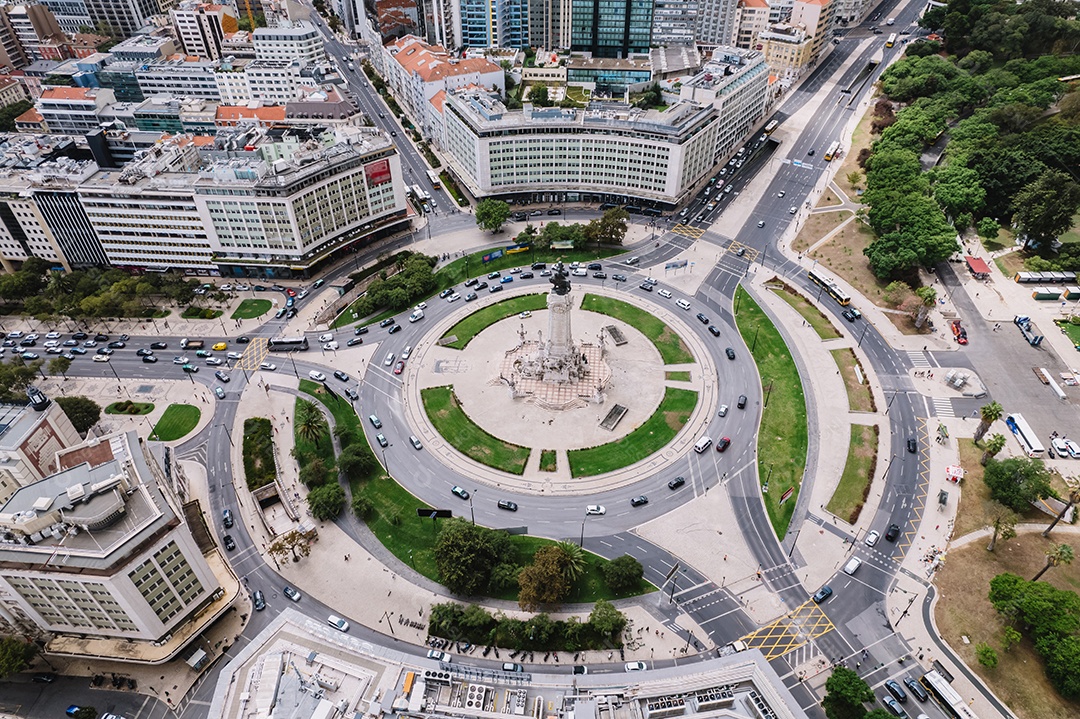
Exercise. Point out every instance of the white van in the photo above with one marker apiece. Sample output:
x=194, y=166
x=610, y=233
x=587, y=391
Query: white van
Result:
x=417, y=315
x=853, y=565
x=702, y=444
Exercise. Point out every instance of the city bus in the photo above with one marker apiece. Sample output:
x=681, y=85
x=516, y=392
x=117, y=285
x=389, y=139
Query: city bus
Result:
x=946, y=697
x=434, y=177
x=833, y=151
x=420, y=193
x=288, y=344
x=828, y=284
x=1025, y=435
x=771, y=126
x=891, y=41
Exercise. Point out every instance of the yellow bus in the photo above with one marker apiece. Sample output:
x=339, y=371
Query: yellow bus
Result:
x=891, y=41
x=833, y=151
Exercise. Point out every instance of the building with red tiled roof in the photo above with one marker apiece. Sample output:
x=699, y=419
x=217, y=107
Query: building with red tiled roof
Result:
x=73, y=110
x=263, y=116
x=417, y=71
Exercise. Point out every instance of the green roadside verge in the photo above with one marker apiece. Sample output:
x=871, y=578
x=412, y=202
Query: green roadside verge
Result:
x=467, y=437
x=465, y=330
x=854, y=486
x=783, y=435
x=175, y=422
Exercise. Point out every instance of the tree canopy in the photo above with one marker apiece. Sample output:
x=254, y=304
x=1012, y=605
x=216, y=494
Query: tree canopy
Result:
x=1016, y=482
x=466, y=555
x=82, y=411
x=845, y=694
x=545, y=581
x=15, y=655
x=492, y=214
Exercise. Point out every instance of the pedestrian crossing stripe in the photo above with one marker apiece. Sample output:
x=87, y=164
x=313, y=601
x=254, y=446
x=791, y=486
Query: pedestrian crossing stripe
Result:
x=919, y=359
x=943, y=407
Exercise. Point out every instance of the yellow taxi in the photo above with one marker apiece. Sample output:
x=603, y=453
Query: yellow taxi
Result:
x=219, y=346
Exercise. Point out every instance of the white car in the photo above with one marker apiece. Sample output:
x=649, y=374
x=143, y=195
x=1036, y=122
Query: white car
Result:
x=453, y=298
x=406, y=352
x=389, y=359
x=268, y=366
x=421, y=306
x=1060, y=446
x=317, y=376
x=326, y=337
x=243, y=288
x=580, y=272
x=525, y=315
x=595, y=509
x=234, y=355
x=871, y=539
x=179, y=360
x=635, y=666
x=439, y=656
x=52, y=343
x=666, y=294
x=1074, y=448
x=225, y=288
x=651, y=281
x=101, y=358
x=330, y=346
x=723, y=410
x=338, y=623
x=53, y=336
x=683, y=303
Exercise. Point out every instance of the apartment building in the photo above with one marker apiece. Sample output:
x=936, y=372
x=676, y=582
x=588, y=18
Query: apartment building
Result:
x=12, y=91
x=29, y=441
x=274, y=82
x=301, y=42
x=608, y=153
x=179, y=76
x=736, y=83
x=715, y=22
x=73, y=110
x=101, y=548
x=417, y=71
x=71, y=15
x=751, y=18
x=815, y=17
x=788, y=50
x=123, y=17
x=201, y=27
x=674, y=22
x=38, y=32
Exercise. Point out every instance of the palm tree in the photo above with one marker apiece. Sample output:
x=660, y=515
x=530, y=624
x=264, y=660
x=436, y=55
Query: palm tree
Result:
x=928, y=297
x=1061, y=554
x=1003, y=526
x=990, y=413
x=1074, y=497
x=310, y=423
x=995, y=444
x=575, y=560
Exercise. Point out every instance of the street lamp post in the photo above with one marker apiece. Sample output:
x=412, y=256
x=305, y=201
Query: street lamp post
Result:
x=472, y=514
x=581, y=542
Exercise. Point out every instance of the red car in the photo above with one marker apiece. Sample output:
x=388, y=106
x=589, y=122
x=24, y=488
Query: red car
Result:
x=723, y=444
x=399, y=367
x=290, y=292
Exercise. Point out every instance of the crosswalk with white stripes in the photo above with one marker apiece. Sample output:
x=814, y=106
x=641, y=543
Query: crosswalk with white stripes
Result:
x=918, y=359
x=942, y=407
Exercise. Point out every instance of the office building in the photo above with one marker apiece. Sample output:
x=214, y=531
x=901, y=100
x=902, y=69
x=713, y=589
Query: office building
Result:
x=549, y=23
x=73, y=110
x=301, y=42
x=29, y=438
x=611, y=28
x=201, y=27
x=715, y=22
x=71, y=15
x=495, y=23
x=787, y=50
x=674, y=22
x=608, y=153
x=179, y=76
x=274, y=82
x=102, y=549
x=144, y=48
x=122, y=17
x=736, y=83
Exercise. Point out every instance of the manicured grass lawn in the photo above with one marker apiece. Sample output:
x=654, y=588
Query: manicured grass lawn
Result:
x=412, y=539
x=467, y=437
x=548, y=460
x=650, y=437
x=677, y=376
x=847, y=501
x=860, y=398
x=250, y=309
x=815, y=318
x=177, y=421
x=477, y=322
x=127, y=407
x=782, y=437
x=1071, y=331
x=323, y=449
x=670, y=345
x=198, y=313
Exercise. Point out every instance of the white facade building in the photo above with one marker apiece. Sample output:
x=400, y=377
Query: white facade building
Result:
x=736, y=83
x=201, y=27
x=609, y=152
x=29, y=441
x=73, y=110
x=301, y=42
x=179, y=76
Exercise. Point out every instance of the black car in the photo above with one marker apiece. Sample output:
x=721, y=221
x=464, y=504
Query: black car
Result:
x=360, y=331
x=290, y=313
x=149, y=359
x=243, y=340
x=714, y=330
x=599, y=275
x=539, y=265
x=79, y=336
x=158, y=345
x=229, y=543
x=117, y=345
x=105, y=350
x=28, y=342
x=912, y=445
x=848, y=315
x=526, y=275
x=916, y=689
x=259, y=288
x=258, y=600
x=702, y=318
x=393, y=329
x=646, y=286
x=351, y=394
x=822, y=594
x=388, y=322
x=99, y=337
x=676, y=483
x=481, y=285
x=341, y=375
x=554, y=212
x=125, y=337
x=355, y=341
x=470, y=283
x=730, y=353
x=896, y=690
x=44, y=678
x=893, y=532
x=595, y=266
x=143, y=352
x=227, y=518
x=508, y=505
x=639, y=500
x=493, y=275
x=741, y=404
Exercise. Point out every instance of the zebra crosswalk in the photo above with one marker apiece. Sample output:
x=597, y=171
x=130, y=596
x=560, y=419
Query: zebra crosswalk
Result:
x=943, y=407
x=919, y=359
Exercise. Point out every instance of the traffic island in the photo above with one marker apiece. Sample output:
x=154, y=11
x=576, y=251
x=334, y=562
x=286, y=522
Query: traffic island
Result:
x=177, y=422
x=446, y=414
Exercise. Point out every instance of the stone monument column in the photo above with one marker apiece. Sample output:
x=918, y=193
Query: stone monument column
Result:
x=559, y=344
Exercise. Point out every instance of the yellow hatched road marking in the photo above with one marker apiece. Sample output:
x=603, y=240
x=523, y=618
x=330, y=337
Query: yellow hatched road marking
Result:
x=791, y=631
x=254, y=355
